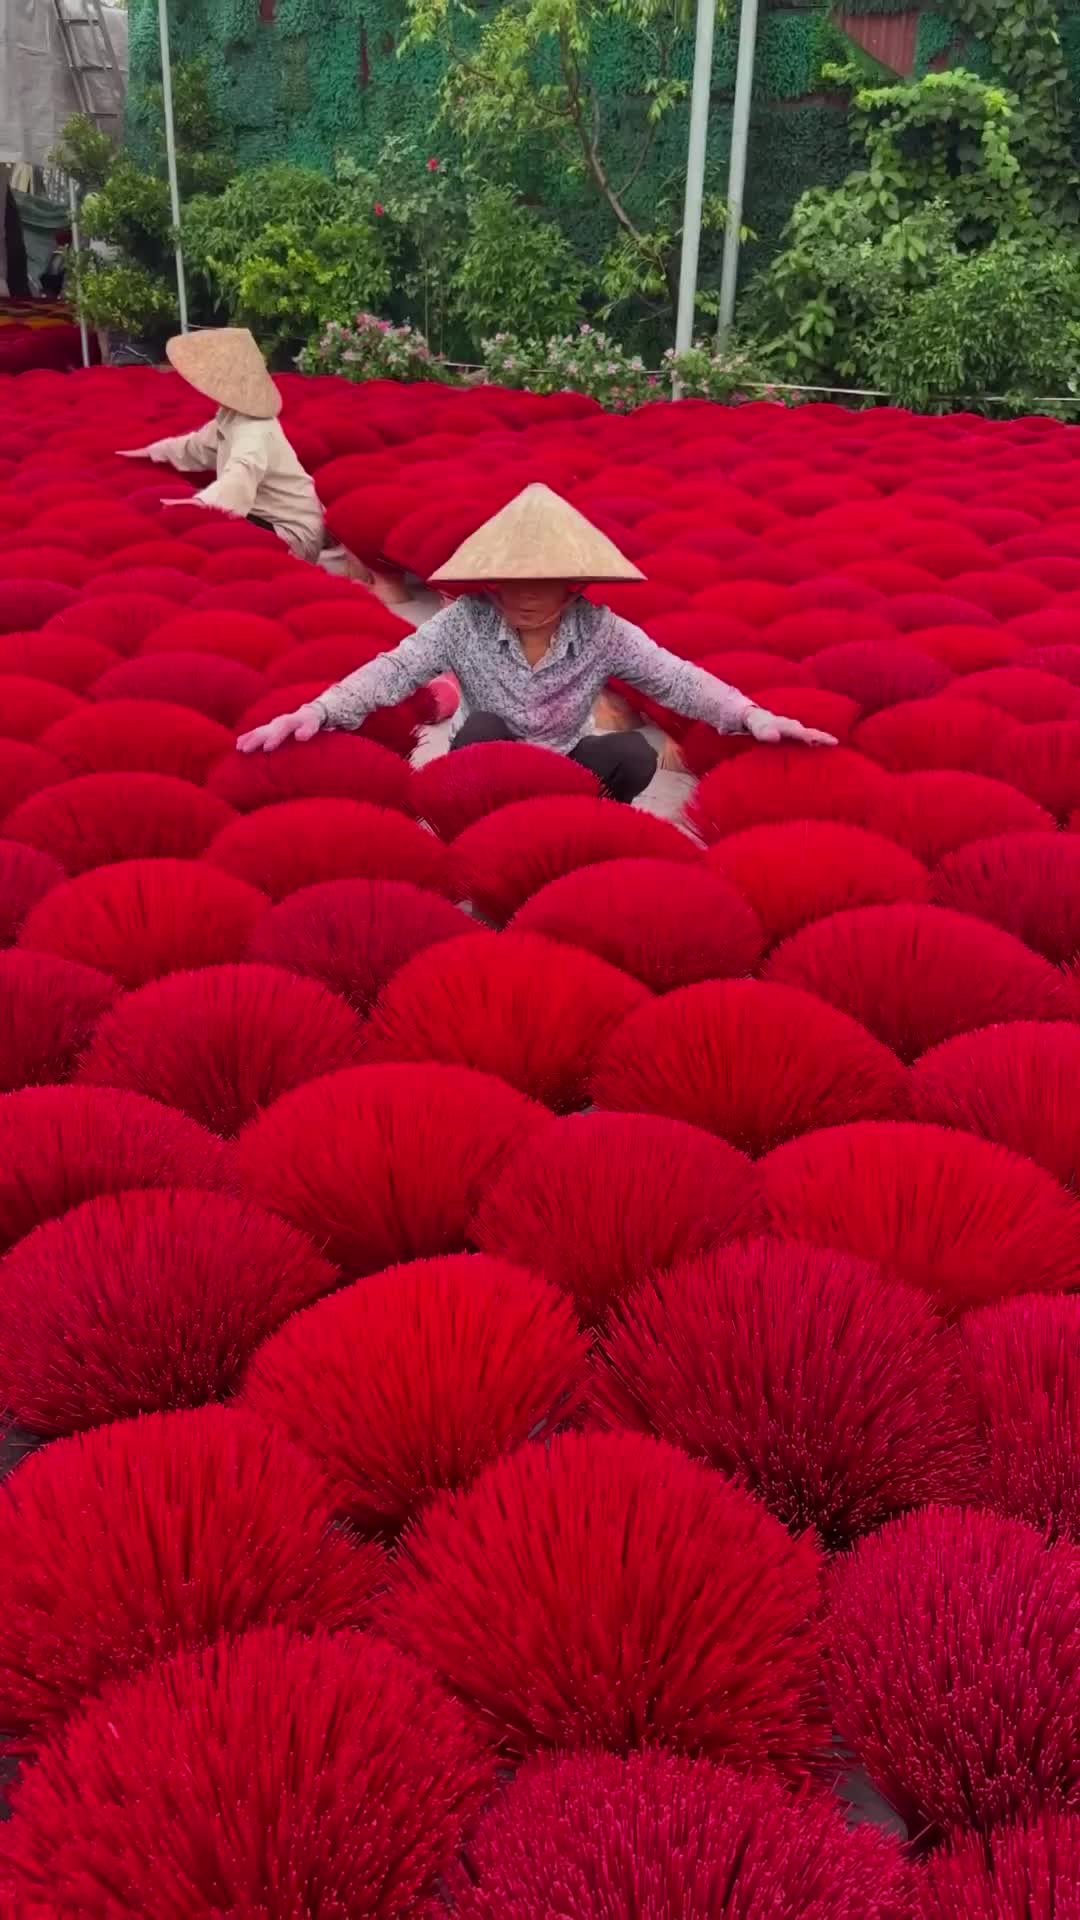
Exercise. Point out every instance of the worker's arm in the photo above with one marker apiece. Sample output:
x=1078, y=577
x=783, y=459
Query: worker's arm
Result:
x=187, y=452
x=392, y=676
x=699, y=695
x=247, y=458
x=674, y=682
x=381, y=683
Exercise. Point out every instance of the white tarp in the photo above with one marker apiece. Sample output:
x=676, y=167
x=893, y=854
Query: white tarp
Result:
x=36, y=93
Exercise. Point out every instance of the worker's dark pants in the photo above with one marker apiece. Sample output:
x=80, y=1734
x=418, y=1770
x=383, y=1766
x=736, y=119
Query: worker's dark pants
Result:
x=624, y=763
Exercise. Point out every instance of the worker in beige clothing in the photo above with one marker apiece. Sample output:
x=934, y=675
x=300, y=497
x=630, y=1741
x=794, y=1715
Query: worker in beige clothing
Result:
x=259, y=477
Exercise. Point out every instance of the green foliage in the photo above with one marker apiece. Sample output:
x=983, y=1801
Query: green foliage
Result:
x=1025, y=49
x=581, y=362
x=814, y=305
x=124, y=298
x=636, y=267
x=832, y=50
x=577, y=108
x=642, y=267
x=283, y=250
x=420, y=201
x=1004, y=321
x=127, y=207
x=465, y=257
x=707, y=373
x=935, y=39
x=331, y=77
x=131, y=210
x=793, y=146
x=949, y=137
x=286, y=286
x=942, y=206
x=516, y=272
x=524, y=78
x=784, y=62
x=262, y=197
x=373, y=349
x=203, y=160
x=84, y=152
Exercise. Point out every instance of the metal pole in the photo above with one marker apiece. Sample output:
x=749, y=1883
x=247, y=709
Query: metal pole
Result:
x=170, y=154
x=695, y=174
x=740, y=134
x=76, y=248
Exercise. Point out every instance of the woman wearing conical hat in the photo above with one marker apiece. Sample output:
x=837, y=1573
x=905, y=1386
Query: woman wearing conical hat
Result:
x=259, y=477
x=531, y=655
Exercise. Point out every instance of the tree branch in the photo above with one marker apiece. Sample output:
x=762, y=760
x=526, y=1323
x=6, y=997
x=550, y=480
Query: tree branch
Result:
x=490, y=80
x=662, y=52
x=635, y=173
x=590, y=138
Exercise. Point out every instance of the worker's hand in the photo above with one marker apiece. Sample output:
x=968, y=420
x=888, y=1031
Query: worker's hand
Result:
x=186, y=500
x=771, y=729
x=302, y=725
x=132, y=453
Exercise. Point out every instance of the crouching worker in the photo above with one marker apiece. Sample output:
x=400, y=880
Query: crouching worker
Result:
x=531, y=655
x=259, y=477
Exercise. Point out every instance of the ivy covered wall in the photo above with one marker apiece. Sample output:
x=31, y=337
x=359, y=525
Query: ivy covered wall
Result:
x=304, y=80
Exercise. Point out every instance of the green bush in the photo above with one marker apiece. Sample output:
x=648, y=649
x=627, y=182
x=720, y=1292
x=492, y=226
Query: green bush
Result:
x=283, y=251
x=949, y=137
x=276, y=195
x=131, y=210
x=925, y=274
x=517, y=272
x=810, y=314
x=529, y=92
x=420, y=202
x=84, y=152
x=464, y=258
x=1002, y=323
x=204, y=159
x=127, y=207
x=121, y=297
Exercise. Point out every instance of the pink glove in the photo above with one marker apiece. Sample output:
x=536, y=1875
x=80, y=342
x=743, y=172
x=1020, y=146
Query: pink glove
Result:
x=446, y=695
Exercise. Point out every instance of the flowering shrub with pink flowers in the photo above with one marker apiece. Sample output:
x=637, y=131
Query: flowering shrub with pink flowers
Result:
x=368, y=348
x=708, y=372
x=587, y=361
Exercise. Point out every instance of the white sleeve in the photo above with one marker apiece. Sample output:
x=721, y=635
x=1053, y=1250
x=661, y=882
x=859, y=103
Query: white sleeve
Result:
x=676, y=683
x=392, y=676
x=247, y=459
x=187, y=452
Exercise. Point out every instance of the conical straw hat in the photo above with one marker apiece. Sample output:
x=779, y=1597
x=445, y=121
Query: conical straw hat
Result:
x=225, y=364
x=537, y=537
